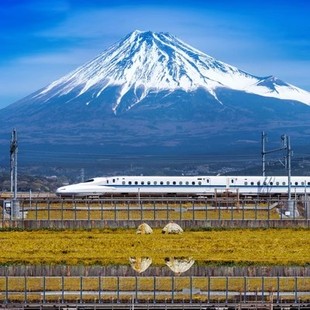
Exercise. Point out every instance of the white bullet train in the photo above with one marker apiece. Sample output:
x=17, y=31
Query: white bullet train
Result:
x=182, y=185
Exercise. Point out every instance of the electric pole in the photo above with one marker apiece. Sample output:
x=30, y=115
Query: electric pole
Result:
x=264, y=138
x=286, y=145
x=13, y=170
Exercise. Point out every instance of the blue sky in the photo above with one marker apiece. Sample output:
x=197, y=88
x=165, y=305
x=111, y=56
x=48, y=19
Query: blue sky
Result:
x=41, y=40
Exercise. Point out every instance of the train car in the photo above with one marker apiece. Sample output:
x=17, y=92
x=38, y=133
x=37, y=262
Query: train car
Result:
x=193, y=185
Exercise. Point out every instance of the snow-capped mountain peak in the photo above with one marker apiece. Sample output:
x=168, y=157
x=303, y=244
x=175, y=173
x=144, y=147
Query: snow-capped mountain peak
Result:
x=148, y=62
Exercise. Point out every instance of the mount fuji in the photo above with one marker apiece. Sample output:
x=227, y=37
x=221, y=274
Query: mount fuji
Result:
x=151, y=91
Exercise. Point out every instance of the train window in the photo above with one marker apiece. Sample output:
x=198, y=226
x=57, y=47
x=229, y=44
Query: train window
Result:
x=129, y=182
x=90, y=180
x=107, y=181
x=155, y=182
x=180, y=183
x=174, y=182
x=264, y=183
x=148, y=183
x=136, y=182
x=168, y=182
x=199, y=183
x=186, y=182
x=277, y=183
x=271, y=183
x=308, y=183
x=232, y=181
x=283, y=183
x=245, y=183
x=193, y=182
x=258, y=183
x=252, y=183
x=113, y=180
x=142, y=182
x=296, y=183
x=208, y=181
x=303, y=183
x=123, y=182
x=161, y=182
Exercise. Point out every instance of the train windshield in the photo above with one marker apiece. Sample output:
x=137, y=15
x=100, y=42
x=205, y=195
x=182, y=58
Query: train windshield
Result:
x=90, y=180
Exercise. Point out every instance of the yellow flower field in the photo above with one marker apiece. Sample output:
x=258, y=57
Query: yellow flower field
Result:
x=236, y=247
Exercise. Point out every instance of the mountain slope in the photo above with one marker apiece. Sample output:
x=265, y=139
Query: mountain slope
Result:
x=150, y=91
x=146, y=62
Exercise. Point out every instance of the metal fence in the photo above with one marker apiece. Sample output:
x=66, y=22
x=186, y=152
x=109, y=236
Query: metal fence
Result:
x=138, y=289
x=203, y=208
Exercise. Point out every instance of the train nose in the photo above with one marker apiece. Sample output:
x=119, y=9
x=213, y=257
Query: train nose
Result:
x=61, y=190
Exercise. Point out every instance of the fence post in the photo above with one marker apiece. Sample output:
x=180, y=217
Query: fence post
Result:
x=141, y=209
x=172, y=289
x=118, y=292
x=62, y=213
x=296, y=289
x=25, y=289
x=75, y=211
x=44, y=289
x=243, y=212
x=62, y=289
x=278, y=289
x=180, y=210
x=6, y=289
x=115, y=215
x=81, y=289
x=245, y=289
x=191, y=289
x=99, y=289
x=263, y=289
x=193, y=208
x=226, y=288
x=101, y=210
x=36, y=213
x=88, y=212
x=48, y=213
x=209, y=288
x=154, y=286
x=128, y=211
x=154, y=210
x=136, y=288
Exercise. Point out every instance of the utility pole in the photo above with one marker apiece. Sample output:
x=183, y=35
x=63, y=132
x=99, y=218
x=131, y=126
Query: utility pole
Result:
x=13, y=169
x=286, y=145
x=82, y=174
x=288, y=158
x=264, y=152
x=264, y=139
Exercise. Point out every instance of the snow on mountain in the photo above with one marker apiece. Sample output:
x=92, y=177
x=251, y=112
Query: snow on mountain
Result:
x=147, y=62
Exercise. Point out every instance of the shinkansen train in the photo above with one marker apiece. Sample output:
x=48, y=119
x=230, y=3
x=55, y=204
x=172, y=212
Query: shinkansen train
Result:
x=182, y=185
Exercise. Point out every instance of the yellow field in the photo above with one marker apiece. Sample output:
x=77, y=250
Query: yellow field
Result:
x=241, y=247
